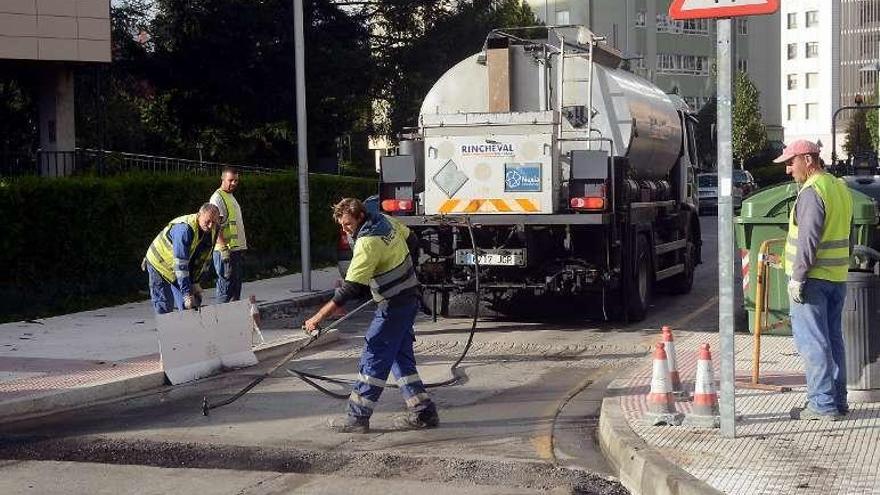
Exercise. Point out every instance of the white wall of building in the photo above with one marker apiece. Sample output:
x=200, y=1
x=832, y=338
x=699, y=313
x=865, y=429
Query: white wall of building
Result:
x=57, y=30
x=807, y=108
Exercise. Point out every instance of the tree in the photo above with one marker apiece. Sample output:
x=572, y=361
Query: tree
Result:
x=858, y=136
x=705, y=133
x=749, y=133
x=410, y=68
x=18, y=117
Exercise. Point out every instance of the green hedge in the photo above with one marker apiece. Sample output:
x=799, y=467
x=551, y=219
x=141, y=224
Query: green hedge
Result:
x=77, y=243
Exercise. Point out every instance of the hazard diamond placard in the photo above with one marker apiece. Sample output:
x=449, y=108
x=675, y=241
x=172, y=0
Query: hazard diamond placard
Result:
x=709, y=9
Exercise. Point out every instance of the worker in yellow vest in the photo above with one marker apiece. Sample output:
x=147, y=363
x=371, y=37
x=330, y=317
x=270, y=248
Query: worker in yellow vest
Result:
x=232, y=242
x=177, y=258
x=381, y=264
x=816, y=261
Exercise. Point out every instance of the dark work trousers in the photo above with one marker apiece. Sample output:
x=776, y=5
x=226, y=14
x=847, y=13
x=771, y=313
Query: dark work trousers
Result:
x=229, y=284
x=163, y=294
x=389, y=348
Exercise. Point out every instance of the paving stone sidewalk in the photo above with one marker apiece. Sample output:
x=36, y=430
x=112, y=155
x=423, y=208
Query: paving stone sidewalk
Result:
x=772, y=454
x=114, y=347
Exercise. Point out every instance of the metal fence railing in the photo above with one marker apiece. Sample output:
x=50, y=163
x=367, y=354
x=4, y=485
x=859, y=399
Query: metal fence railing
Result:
x=84, y=161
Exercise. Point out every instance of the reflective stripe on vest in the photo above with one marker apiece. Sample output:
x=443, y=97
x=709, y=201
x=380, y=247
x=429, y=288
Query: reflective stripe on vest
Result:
x=394, y=281
x=230, y=223
x=161, y=252
x=832, y=253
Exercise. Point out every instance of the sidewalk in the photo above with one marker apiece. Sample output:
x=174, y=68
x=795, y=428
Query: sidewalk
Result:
x=772, y=454
x=73, y=360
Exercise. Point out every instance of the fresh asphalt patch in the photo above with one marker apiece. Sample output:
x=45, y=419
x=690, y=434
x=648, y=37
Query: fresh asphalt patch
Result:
x=531, y=475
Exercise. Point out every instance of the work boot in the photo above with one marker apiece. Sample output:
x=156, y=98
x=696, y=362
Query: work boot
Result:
x=412, y=420
x=350, y=424
x=807, y=414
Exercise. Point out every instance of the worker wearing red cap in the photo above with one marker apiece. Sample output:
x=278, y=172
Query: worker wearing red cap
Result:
x=816, y=261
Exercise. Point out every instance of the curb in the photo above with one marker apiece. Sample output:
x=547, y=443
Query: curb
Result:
x=642, y=469
x=81, y=397
x=285, y=307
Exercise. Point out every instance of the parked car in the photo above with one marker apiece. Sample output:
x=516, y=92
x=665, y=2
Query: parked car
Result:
x=344, y=244
x=745, y=181
x=707, y=193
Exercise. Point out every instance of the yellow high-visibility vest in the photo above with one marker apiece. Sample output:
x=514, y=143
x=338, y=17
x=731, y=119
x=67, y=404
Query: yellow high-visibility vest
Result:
x=161, y=252
x=381, y=258
x=832, y=256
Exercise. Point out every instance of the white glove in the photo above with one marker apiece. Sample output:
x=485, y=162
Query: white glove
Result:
x=188, y=301
x=796, y=291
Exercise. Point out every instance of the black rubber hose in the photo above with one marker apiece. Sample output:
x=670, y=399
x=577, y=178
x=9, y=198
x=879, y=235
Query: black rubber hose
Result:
x=309, y=377
x=207, y=406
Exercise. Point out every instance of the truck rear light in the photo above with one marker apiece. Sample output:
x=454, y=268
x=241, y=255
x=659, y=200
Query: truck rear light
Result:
x=343, y=244
x=588, y=203
x=396, y=205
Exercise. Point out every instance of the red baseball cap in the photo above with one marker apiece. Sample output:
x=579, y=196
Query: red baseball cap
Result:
x=799, y=147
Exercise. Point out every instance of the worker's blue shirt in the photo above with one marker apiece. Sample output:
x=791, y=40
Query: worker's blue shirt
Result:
x=181, y=238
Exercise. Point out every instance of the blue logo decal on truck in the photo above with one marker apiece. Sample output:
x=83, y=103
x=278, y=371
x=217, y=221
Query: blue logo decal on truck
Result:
x=522, y=177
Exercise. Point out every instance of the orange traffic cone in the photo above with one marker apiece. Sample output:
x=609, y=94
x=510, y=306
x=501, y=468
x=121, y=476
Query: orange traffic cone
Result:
x=671, y=360
x=661, y=404
x=705, y=407
x=255, y=317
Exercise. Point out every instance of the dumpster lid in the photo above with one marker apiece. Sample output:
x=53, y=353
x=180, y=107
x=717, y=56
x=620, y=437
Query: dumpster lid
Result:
x=772, y=205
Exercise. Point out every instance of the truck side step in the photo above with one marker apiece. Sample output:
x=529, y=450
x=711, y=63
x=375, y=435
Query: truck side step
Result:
x=670, y=246
x=669, y=272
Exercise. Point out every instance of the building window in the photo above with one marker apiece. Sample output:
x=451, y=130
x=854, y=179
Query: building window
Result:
x=792, y=112
x=812, y=49
x=562, y=18
x=694, y=65
x=812, y=111
x=792, y=81
x=666, y=24
x=742, y=65
x=792, y=20
x=792, y=51
x=812, y=80
x=812, y=18
x=640, y=18
x=742, y=26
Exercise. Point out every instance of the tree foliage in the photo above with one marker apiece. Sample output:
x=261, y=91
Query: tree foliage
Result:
x=705, y=133
x=858, y=134
x=217, y=76
x=749, y=133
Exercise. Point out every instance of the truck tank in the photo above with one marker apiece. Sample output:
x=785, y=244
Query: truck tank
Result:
x=640, y=120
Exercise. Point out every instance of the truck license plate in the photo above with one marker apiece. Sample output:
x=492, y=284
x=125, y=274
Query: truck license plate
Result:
x=495, y=257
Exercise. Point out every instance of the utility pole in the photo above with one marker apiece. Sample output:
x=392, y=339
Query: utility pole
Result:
x=301, y=147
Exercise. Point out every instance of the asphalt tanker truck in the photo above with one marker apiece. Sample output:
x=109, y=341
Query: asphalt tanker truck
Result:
x=556, y=171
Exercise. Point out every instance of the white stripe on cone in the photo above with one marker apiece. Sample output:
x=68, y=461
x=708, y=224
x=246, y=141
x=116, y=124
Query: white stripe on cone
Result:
x=660, y=400
x=672, y=362
x=705, y=398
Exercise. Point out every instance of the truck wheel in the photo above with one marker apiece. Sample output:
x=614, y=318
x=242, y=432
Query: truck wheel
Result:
x=682, y=283
x=642, y=284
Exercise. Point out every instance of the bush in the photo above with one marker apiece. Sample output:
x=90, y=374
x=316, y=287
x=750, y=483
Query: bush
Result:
x=77, y=243
x=768, y=175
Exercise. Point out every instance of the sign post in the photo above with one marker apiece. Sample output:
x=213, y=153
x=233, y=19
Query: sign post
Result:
x=723, y=10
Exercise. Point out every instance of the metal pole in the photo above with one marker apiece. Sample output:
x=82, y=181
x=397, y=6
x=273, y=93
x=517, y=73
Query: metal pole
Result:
x=725, y=229
x=301, y=146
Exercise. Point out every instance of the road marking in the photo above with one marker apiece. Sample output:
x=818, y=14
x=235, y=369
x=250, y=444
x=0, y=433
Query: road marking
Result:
x=687, y=319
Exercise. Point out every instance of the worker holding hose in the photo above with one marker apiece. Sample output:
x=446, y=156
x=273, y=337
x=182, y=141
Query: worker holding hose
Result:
x=381, y=263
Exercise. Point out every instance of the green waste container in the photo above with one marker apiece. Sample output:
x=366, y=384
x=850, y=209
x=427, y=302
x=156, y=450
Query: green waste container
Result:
x=764, y=216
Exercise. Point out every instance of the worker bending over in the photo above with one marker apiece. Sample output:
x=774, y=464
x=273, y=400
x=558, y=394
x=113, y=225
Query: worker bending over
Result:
x=178, y=256
x=381, y=262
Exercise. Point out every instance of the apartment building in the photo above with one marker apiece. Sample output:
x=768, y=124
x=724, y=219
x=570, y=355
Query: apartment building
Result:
x=678, y=56
x=47, y=38
x=830, y=51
